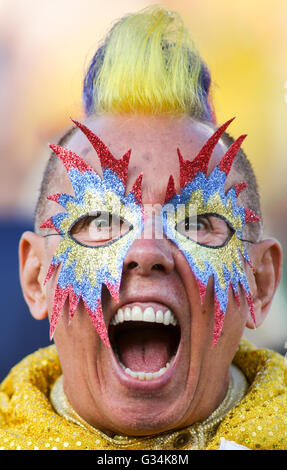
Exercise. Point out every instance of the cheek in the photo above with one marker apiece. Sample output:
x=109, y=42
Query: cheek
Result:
x=251, y=279
x=202, y=311
x=50, y=249
x=235, y=321
x=75, y=337
x=50, y=286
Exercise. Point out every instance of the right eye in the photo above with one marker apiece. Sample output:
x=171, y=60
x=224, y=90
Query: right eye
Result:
x=210, y=230
x=99, y=229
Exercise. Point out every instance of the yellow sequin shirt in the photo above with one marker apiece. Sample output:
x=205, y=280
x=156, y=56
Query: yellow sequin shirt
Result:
x=258, y=421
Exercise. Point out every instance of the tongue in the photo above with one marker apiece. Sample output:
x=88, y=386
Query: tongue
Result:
x=144, y=349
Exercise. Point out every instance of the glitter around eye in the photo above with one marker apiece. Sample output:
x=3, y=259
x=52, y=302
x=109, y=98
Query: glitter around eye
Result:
x=207, y=193
x=210, y=230
x=83, y=270
x=101, y=229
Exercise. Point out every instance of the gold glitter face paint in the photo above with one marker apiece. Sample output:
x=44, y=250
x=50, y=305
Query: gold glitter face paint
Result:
x=224, y=262
x=85, y=268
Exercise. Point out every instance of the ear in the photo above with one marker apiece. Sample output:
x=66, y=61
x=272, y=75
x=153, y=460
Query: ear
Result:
x=267, y=261
x=31, y=261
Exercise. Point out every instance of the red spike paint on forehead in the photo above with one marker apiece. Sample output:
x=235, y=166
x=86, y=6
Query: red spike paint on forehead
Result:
x=108, y=161
x=170, y=191
x=188, y=169
x=136, y=189
x=227, y=160
x=71, y=160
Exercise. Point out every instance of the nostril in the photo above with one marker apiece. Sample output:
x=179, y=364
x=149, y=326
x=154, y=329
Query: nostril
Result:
x=158, y=267
x=132, y=265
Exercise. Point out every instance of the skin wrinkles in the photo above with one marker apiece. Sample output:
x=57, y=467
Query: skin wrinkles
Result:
x=146, y=196
x=200, y=377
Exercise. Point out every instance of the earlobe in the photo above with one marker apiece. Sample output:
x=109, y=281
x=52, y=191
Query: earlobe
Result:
x=31, y=258
x=267, y=261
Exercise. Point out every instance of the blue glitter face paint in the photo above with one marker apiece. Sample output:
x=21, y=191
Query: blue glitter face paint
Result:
x=225, y=263
x=85, y=269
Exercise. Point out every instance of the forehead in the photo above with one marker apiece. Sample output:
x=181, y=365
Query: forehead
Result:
x=153, y=141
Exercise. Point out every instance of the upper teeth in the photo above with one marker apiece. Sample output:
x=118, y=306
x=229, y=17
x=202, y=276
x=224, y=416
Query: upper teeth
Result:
x=147, y=315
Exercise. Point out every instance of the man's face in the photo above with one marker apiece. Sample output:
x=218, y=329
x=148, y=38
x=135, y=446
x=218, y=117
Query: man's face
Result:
x=156, y=276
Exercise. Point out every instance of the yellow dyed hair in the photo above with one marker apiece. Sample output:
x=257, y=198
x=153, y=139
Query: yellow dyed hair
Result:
x=147, y=64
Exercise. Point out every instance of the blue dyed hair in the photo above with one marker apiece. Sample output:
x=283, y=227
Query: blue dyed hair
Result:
x=148, y=63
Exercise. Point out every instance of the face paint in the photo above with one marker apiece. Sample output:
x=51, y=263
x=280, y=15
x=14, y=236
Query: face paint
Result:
x=85, y=268
x=85, y=263
x=224, y=262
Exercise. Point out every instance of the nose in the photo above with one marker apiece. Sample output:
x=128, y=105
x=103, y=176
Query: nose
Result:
x=148, y=256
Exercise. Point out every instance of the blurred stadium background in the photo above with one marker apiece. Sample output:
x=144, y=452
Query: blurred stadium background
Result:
x=45, y=48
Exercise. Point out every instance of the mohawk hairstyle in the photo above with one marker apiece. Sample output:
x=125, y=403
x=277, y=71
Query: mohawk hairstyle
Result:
x=148, y=64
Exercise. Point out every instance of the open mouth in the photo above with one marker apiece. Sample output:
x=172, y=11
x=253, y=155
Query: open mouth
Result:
x=144, y=340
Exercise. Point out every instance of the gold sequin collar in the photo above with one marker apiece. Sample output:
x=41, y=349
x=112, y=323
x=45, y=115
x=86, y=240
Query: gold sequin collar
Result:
x=258, y=421
x=193, y=437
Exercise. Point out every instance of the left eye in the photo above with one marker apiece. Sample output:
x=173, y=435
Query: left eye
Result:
x=99, y=228
x=210, y=230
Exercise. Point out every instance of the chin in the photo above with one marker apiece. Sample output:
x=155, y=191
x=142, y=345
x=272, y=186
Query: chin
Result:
x=143, y=423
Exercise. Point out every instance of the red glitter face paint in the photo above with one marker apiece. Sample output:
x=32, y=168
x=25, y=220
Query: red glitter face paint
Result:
x=86, y=267
x=224, y=262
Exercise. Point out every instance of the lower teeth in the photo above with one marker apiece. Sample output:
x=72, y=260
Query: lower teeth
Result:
x=144, y=375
